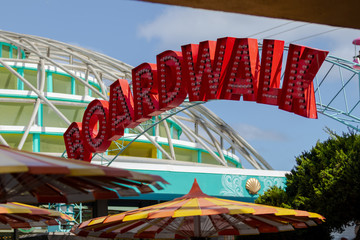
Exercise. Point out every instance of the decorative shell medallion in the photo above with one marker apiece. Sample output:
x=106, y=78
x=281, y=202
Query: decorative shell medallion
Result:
x=253, y=186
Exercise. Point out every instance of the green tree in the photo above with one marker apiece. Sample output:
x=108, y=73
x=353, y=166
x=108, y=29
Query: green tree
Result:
x=325, y=180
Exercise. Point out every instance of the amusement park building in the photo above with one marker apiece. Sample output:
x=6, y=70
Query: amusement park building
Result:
x=45, y=85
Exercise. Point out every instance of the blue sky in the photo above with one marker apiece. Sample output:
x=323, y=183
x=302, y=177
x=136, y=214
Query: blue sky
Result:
x=135, y=32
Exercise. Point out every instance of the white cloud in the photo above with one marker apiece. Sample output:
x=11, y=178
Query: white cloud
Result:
x=342, y=43
x=178, y=26
x=251, y=133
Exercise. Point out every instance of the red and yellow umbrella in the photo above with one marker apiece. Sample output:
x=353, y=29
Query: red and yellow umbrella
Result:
x=16, y=215
x=35, y=178
x=197, y=215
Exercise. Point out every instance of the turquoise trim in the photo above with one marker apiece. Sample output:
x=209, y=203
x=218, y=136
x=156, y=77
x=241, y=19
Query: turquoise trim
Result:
x=126, y=130
x=117, y=192
x=67, y=100
x=40, y=115
x=221, y=185
x=73, y=86
x=199, y=156
x=164, y=143
x=178, y=128
x=11, y=49
x=154, y=127
x=227, y=158
x=32, y=132
x=51, y=133
x=237, y=164
x=126, y=186
x=20, y=84
x=13, y=132
x=137, y=140
x=36, y=142
x=92, y=83
x=50, y=98
x=171, y=130
x=158, y=154
x=50, y=82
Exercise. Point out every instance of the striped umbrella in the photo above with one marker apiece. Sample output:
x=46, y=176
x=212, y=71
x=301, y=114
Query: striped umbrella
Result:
x=197, y=215
x=35, y=178
x=16, y=215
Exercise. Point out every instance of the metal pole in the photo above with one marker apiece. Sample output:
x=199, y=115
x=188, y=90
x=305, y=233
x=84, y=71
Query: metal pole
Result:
x=168, y=135
x=35, y=90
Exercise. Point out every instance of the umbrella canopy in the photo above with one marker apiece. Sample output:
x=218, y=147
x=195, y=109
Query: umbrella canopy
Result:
x=197, y=215
x=356, y=41
x=17, y=215
x=35, y=178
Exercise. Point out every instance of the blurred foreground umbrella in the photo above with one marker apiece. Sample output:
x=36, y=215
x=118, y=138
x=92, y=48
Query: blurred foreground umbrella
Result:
x=35, y=178
x=197, y=215
x=16, y=215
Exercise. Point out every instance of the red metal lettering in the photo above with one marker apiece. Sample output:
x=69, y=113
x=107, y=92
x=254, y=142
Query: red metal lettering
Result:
x=199, y=64
x=241, y=77
x=145, y=90
x=270, y=72
x=121, y=109
x=298, y=91
x=190, y=55
x=224, y=48
x=225, y=69
x=172, y=87
x=94, y=133
x=74, y=143
x=205, y=68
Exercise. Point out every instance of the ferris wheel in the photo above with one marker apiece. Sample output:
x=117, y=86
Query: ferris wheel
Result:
x=55, y=81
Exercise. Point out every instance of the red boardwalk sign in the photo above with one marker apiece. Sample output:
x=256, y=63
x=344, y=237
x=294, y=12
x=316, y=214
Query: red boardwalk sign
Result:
x=121, y=112
x=241, y=76
x=270, y=72
x=297, y=94
x=74, y=143
x=229, y=68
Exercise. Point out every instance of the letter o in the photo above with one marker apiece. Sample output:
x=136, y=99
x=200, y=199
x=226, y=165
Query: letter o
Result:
x=94, y=125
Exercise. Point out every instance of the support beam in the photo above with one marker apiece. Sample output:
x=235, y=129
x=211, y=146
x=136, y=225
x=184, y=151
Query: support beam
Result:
x=40, y=94
x=3, y=141
x=210, y=115
x=214, y=141
x=211, y=152
x=98, y=78
x=154, y=143
x=100, y=208
x=60, y=66
x=30, y=124
x=41, y=81
x=168, y=135
x=227, y=134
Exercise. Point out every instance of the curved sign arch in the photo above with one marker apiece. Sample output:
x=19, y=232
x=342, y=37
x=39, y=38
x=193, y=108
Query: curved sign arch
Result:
x=229, y=68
